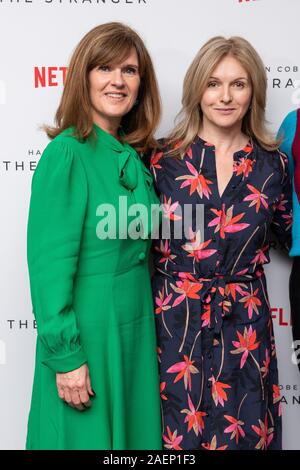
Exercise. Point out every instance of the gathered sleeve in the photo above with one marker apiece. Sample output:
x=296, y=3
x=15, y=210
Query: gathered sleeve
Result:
x=282, y=218
x=56, y=216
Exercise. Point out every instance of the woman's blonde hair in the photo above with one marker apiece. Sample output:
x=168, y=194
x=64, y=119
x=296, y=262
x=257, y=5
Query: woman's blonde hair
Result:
x=195, y=83
x=107, y=44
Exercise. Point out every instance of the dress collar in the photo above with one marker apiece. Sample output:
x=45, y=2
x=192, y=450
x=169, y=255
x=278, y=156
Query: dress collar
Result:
x=129, y=162
x=247, y=150
x=110, y=140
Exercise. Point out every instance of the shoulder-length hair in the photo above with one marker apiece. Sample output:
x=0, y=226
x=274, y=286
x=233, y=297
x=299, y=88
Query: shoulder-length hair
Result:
x=195, y=83
x=107, y=44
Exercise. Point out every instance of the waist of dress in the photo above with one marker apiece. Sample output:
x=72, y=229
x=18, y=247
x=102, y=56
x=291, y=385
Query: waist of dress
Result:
x=228, y=278
x=210, y=290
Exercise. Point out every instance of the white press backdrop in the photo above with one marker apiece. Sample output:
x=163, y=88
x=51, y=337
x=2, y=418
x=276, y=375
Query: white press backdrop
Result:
x=42, y=33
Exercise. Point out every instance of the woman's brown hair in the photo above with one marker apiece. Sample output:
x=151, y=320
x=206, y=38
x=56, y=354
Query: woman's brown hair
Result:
x=195, y=82
x=107, y=44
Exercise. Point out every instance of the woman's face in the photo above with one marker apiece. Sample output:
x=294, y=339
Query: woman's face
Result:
x=114, y=90
x=227, y=96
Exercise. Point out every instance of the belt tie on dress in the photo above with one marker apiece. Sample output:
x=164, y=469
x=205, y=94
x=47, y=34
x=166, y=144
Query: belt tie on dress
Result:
x=213, y=288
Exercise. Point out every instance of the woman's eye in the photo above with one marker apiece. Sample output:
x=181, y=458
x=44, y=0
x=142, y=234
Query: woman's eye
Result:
x=212, y=84
x=103, y=68
x=240, y=84
x=130, y=70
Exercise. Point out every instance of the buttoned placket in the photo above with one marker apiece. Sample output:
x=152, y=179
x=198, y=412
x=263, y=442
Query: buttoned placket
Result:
x=211, y=334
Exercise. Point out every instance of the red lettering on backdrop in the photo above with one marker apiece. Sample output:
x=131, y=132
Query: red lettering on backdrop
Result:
x=64, y=73
x=280, y=317
x=49, y=76
x=52, y=76
x=39, y=77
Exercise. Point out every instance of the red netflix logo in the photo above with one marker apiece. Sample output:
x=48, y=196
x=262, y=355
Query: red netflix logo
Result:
x=49, y=76
x=281, y=318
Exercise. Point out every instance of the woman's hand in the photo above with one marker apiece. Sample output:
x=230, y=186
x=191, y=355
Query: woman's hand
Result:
x=75, y=388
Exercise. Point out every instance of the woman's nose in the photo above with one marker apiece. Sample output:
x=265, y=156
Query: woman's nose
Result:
x=117, y=77
x=226, y=95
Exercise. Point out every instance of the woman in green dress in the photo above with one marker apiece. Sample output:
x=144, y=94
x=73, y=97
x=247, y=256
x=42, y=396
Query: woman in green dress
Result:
x=96, y=383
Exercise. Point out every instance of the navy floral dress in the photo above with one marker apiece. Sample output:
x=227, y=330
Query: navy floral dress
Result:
x=216, y=349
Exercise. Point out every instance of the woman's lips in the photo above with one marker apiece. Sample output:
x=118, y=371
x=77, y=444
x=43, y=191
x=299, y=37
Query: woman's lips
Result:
x=225, y=110
x=115, y=96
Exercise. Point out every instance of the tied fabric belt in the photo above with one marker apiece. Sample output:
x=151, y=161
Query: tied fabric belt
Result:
x=213, y=290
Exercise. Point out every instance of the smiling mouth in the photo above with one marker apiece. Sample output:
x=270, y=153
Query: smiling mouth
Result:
x=224, y=110
x=116, y=96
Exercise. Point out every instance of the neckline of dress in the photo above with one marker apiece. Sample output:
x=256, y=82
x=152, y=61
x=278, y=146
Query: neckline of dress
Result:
x=247, y=149
x=114, y=143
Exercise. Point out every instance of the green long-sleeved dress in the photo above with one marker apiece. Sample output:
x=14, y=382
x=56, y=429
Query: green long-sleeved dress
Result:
x=91, y=296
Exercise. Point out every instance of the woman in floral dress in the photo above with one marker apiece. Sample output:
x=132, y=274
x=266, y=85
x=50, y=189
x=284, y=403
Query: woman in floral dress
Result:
x=216, y=350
